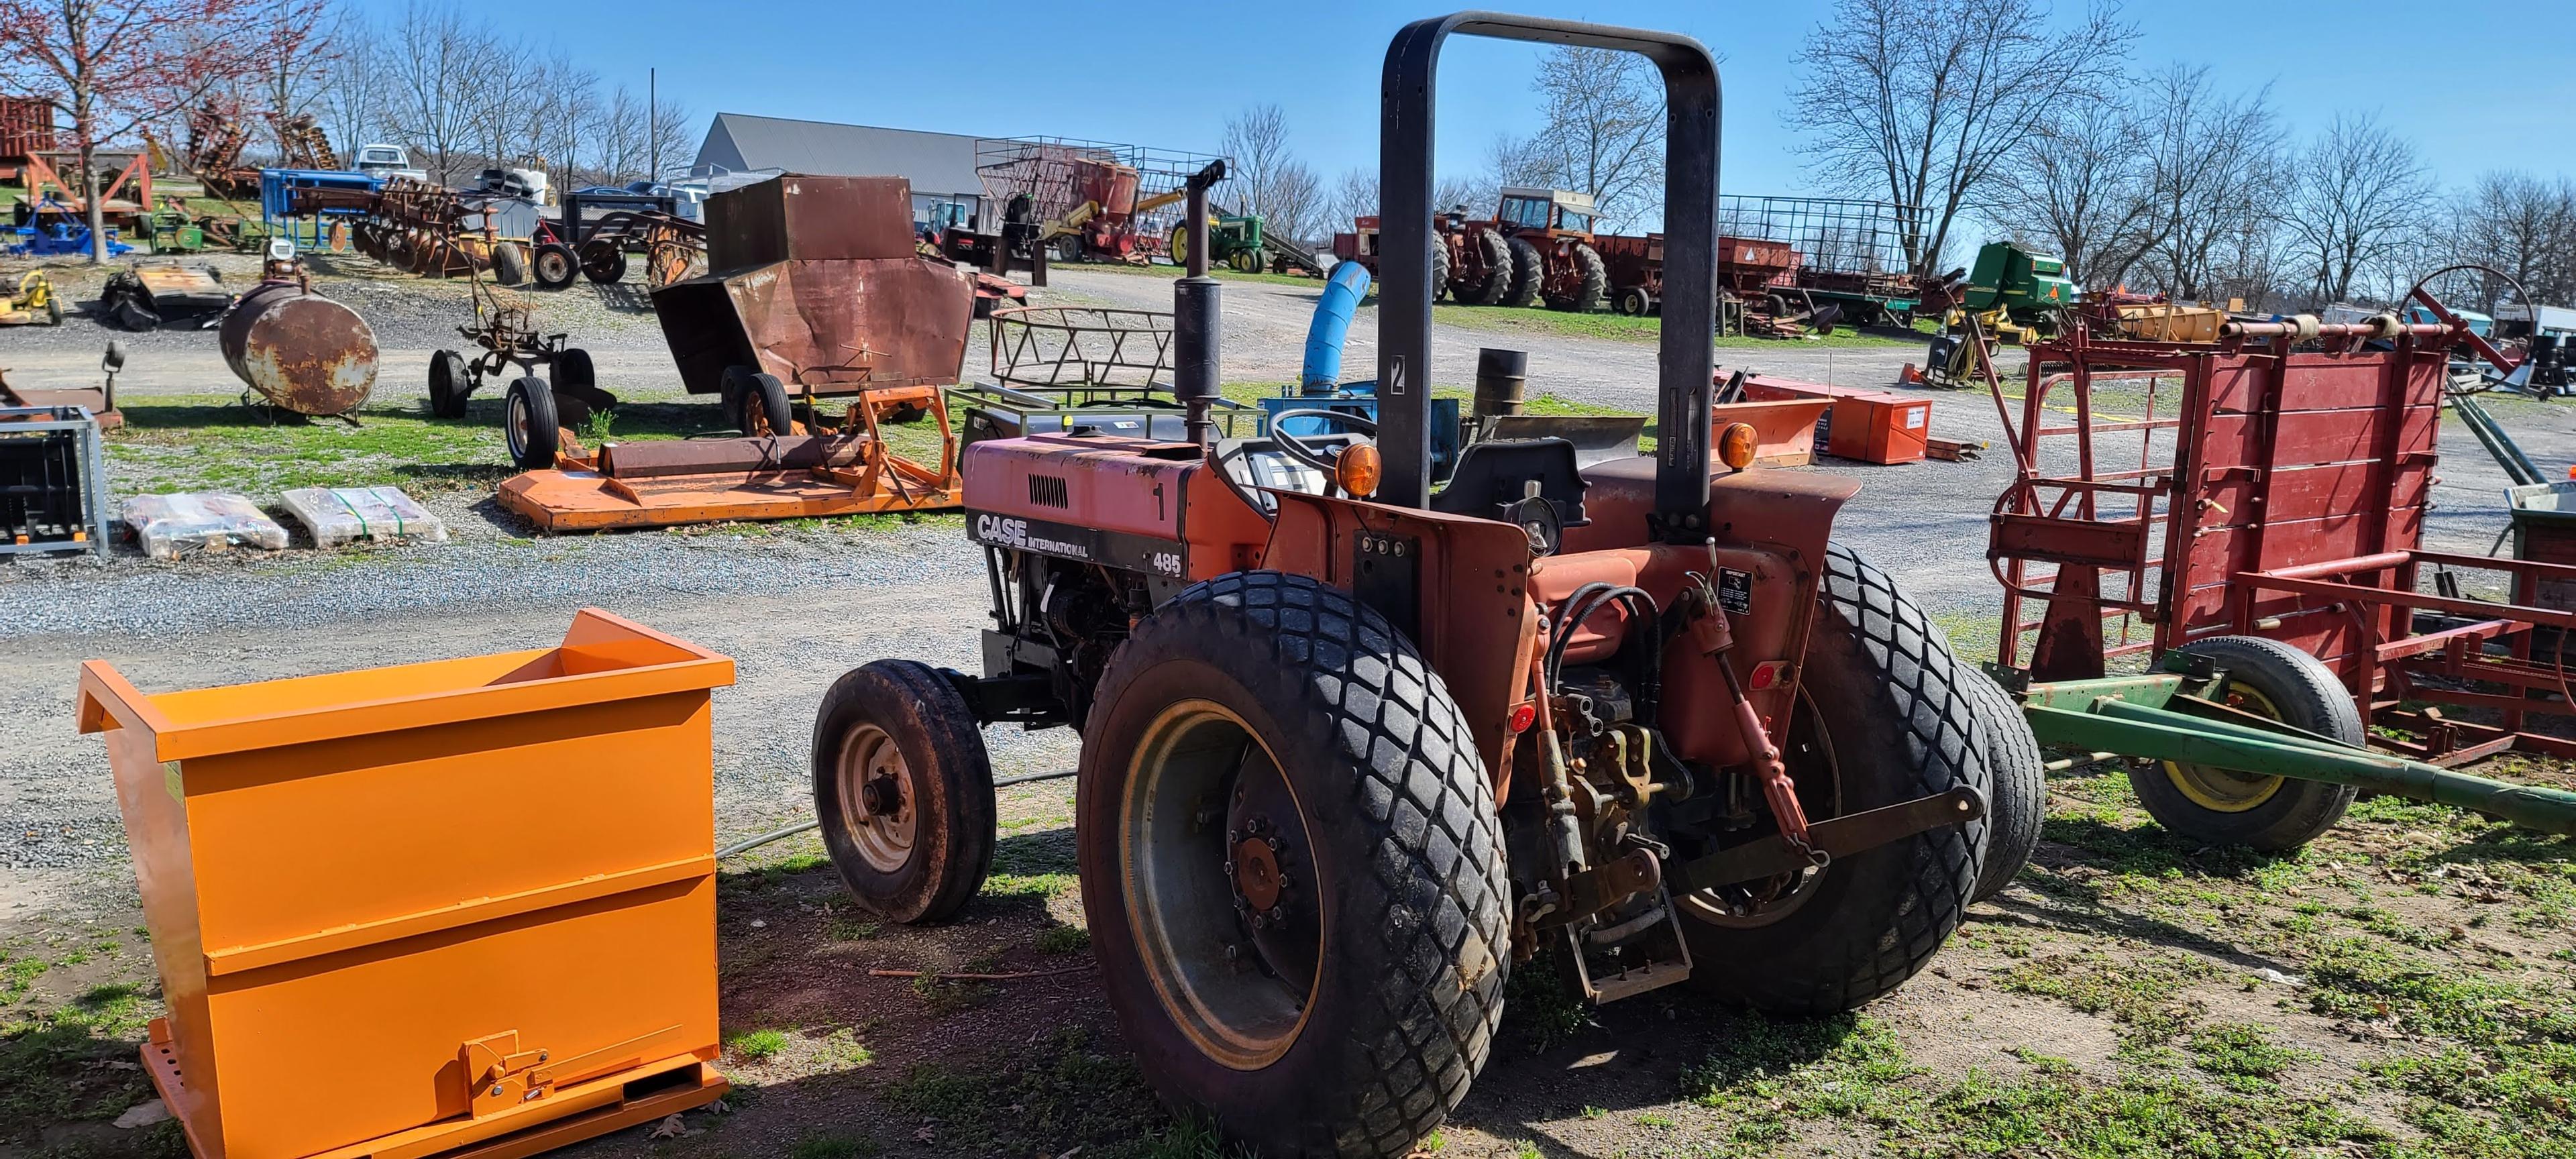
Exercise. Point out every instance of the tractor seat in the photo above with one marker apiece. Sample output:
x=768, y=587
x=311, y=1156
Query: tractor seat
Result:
x=1492, y=477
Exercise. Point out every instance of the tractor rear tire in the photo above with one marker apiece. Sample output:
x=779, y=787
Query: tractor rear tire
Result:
x=904, y=789
x=1529, y=272
x=2019, y=802
x=555, y=265
x=450, y=385
x=2266, y=813
x=1887, y=719
x=1439, y=266
x=1352, y=1019
x=531, y=425
x=509, y=263
x=1497, y=282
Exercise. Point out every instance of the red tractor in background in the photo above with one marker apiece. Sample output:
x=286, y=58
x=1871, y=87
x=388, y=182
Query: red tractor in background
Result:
x=1539, y=246
x=1353, y=749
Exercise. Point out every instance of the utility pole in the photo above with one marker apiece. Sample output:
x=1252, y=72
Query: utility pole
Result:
x=653, y=122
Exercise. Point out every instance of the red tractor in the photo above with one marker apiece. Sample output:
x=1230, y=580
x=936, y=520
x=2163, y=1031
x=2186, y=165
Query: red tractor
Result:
x=1539, y=246
x=1352, y=750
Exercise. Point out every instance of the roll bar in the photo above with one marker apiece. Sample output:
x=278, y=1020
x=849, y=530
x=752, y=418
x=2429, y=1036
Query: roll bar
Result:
x=1686, y=360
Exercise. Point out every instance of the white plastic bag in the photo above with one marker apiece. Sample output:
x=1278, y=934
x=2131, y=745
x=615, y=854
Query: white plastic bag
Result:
x=338, y=515
x=169, y=525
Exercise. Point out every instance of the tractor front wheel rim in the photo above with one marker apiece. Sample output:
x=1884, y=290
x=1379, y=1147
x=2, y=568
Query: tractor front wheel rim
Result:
x=872, y=769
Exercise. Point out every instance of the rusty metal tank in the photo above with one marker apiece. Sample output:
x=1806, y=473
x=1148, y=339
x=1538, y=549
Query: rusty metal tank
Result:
x=300, y=350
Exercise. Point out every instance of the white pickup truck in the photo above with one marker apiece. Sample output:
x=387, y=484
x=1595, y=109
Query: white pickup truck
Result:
x=384, y=162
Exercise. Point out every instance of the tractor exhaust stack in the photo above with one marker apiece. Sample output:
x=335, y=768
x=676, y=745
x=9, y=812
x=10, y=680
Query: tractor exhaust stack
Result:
x=1197, y=318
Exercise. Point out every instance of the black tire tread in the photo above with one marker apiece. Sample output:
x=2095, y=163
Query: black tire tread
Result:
x=1528, y=270
x=1874, y=943
x=1425, y=800
x=1497, y=283
x=2018, y=804
x=2311, y=698
x=934, y=704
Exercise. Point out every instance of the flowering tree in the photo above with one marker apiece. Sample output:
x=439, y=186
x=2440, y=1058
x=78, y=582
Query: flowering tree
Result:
x=114, y=66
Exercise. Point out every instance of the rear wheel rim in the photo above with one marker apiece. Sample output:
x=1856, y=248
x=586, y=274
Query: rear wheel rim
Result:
x=1236, y=981
x=872, y=767
x=1809, y=754
x=2226, y=790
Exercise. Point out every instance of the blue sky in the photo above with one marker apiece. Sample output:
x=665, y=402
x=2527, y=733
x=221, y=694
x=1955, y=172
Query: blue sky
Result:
x=2490, y=87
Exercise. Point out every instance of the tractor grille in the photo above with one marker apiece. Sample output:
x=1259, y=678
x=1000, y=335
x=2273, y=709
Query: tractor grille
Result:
x=1049, y=491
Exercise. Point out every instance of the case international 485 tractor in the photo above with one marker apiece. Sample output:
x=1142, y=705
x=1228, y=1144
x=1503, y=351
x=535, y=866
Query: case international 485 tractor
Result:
x=1352, y=749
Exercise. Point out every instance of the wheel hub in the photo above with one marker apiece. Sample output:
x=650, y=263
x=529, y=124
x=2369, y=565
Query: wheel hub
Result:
x=1260, y=880
x=881, y=795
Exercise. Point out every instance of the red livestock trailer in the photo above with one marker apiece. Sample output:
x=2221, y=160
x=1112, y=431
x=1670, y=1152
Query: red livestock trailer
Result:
x=2273, y=484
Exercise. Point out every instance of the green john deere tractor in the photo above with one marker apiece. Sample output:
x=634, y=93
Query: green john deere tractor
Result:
x=1233, y=242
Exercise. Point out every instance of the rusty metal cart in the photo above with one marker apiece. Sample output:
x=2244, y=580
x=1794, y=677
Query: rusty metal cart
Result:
x=818, y=296
x=2264, y=555
x=555, y=383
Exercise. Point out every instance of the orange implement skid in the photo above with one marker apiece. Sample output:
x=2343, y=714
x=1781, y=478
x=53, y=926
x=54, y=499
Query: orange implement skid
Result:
x=610, y=1103
x=850, y=471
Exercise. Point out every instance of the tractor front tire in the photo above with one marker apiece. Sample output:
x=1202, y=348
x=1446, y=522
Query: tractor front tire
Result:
x=1529, y=272
x=530, y=424
x=904, y=790
x=2266, y=813
x=1884, y=717
x=2019, y=802
x=1292, y=869
x=1592, y=282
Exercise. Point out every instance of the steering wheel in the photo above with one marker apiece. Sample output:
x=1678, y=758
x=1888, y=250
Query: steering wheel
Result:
x=1297, y=448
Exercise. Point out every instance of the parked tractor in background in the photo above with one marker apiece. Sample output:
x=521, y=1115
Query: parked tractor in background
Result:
x=1353, y=750
x=1235, y=241
x=1537, y=247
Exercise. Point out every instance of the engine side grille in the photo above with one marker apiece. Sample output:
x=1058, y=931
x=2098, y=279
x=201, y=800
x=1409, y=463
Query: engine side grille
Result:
x=1050, y=491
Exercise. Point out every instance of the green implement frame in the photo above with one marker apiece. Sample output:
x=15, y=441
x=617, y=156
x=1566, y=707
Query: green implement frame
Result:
x=2158, y=716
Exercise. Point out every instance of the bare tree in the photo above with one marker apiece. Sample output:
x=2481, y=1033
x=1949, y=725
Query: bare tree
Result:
x=2215, y=174
x=1354, y=197
x=2082, y=188
x=666, y=137
x=1296, y=203
x=434, y=62
x=1922, y=101
x=352, y=100
x=116, y=66
x=292, y=84
x=1604, y=134
x=2524, y=226
x=2358, y=199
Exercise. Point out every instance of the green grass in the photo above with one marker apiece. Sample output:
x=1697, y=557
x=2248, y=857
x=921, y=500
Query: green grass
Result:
x=1173, y=273
x=1063, y=940
x=1064, y=1090
x=59, y=1065
x=763, y=1043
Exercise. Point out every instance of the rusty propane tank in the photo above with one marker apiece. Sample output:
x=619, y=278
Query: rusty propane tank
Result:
x=300, y=350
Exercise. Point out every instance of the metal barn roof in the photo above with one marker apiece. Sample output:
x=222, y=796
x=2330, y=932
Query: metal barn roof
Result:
x=938, y=163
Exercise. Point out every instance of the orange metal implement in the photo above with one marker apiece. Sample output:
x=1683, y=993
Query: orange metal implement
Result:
x=462, y=907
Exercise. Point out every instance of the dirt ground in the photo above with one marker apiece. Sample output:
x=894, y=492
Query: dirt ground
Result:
x=2399, y=988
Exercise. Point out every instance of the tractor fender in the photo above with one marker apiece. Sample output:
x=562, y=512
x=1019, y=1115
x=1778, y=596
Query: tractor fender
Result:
x=1457, y=585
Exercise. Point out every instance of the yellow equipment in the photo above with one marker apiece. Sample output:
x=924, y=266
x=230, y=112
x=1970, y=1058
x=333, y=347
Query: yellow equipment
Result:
x=33, y=303
x=465, y=906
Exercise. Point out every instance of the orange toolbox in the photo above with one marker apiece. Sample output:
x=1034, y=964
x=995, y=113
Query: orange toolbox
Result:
x=1864, y=425
x=462, y=908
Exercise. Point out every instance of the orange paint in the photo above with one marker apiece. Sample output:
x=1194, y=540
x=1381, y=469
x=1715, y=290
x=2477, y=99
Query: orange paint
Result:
x=403, y=910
